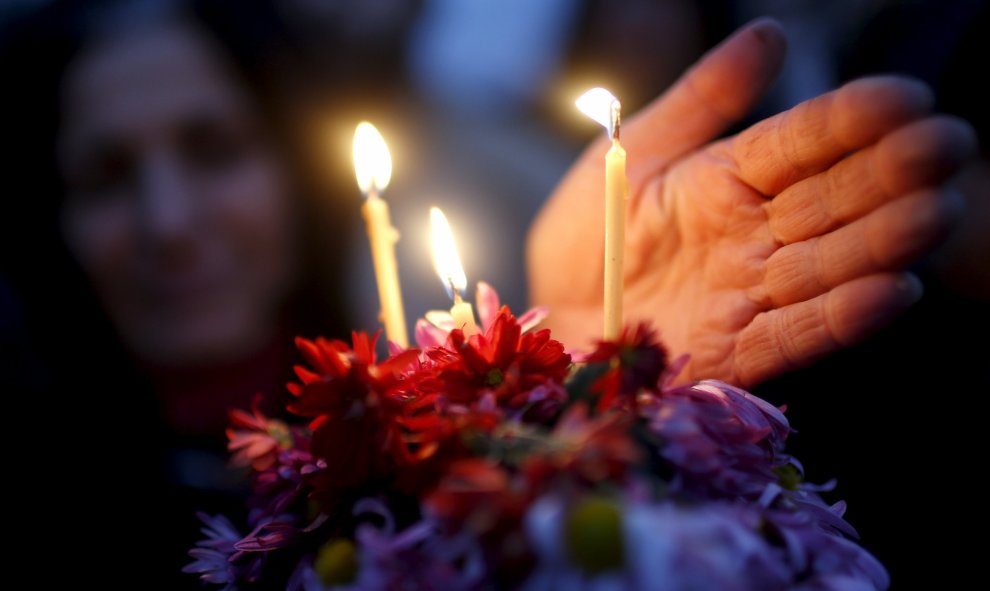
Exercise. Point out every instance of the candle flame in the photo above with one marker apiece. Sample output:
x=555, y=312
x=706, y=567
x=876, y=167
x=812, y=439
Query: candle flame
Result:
x=602, y=106
x=372, y=163
x=445, y=258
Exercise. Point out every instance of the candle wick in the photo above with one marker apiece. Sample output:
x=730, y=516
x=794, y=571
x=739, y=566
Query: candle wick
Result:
x=616, y=119
x=372, y=193
x=453, y=290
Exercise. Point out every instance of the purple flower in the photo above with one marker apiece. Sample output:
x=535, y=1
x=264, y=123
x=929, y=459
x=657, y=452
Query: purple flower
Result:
x=824, y=560
x=666, y=547
x=271, y=533
x=807, y=502
x=722, y=441
x=216, y=558
x=305, y=578
x=278, y=487
x=718, y=545
x=417, y=557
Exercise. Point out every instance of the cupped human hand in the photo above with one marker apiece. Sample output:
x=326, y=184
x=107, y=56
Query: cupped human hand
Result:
x=764, y=251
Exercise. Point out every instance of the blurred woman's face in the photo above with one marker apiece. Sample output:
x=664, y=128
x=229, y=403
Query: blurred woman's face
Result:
x=177, y=207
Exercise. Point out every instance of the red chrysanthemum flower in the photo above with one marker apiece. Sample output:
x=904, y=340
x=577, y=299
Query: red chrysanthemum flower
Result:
x=636, y=361
x=518, y=369
x=367, y=417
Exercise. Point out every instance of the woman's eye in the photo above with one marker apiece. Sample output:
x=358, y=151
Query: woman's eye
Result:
x=106, y=174
x=210, y=148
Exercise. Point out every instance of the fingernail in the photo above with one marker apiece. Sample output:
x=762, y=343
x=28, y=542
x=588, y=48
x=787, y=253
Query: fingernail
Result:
x=910, y=288
x=953, y=205
x=769, y=31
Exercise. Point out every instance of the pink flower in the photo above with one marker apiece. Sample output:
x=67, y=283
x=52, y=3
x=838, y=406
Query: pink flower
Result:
x=433, y=330
x=255, y=439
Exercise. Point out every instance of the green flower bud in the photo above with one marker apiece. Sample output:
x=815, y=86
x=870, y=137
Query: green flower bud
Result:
x=336, y=562
x=594, y=536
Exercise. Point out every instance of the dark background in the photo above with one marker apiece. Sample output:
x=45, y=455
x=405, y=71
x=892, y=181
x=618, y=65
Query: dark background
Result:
x=898, y=420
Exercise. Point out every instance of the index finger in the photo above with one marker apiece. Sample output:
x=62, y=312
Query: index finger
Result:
x=809, y=138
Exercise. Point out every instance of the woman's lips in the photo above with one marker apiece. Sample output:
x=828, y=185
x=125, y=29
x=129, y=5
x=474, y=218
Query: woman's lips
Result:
x=189, y=291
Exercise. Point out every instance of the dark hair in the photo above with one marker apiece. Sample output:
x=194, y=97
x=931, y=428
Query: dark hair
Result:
x=50, y=291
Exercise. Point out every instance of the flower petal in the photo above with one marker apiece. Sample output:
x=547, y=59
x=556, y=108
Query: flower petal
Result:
x=533, y=317
x=429, y=336
x=486, y=298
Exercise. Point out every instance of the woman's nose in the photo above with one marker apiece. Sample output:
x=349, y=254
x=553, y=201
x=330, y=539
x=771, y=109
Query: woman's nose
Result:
x=168, y=204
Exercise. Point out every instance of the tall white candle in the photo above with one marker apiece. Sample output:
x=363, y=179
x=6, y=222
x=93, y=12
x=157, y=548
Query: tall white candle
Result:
x=373, y=168
x=615, y=237
x=600, y=105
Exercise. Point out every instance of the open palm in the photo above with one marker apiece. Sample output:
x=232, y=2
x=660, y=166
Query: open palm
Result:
x=763, y=251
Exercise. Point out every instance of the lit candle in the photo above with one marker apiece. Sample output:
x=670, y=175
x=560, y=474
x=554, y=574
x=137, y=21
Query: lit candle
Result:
x=448, y=265
x=373, y=168
x=600, y=105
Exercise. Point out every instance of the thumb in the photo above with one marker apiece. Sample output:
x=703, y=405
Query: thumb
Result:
x=711, y=96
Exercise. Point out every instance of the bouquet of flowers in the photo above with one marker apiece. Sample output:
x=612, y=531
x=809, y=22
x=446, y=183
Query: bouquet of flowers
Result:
x=500, y=460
